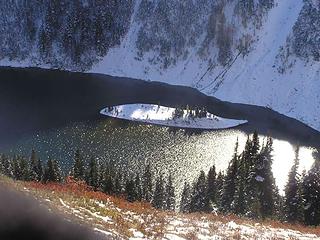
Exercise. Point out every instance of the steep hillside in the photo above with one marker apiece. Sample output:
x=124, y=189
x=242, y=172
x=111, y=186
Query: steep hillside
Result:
x=262, y=52
x=115, y=218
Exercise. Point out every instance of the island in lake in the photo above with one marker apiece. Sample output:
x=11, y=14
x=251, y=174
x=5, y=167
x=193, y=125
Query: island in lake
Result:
x=197, y=118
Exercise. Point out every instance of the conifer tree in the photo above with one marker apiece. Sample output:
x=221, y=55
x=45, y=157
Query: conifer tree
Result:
x=52, y=172
x=2, y=170
x=17, y=171
x=266, y=181
x=147, y=184
x=93, y=175
x=311, y=190
x=211, y=188
x=36, y=170
x=293, y=198
x=138, y=187
x=251, y=188
x=278, y=212
x=219, y=188
x=198, y=197
x=185, y=198
x=25, y=169
x=239, y=196
x=118, y=183
x=7, y=165
x=78, y=171
x=39, y=170
x=159, y=200
x=108, y=183
x=131, y=194
x=170, y=195
x=32, y=171
x=229, y=185
x=247, y=157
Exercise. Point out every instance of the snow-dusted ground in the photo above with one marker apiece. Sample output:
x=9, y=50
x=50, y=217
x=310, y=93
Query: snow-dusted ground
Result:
x=160, y=115
x=115, y=218
x=172, y=226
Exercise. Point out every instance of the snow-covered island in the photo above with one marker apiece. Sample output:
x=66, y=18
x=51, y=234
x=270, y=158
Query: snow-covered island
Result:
x=172, y=117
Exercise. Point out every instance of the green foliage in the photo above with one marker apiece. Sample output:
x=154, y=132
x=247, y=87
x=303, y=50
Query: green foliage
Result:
x=52, y=172
x=185, y=202
x=78, y=170
x=198, y=196
x=131, y=191
x=293, y=198
x=147, y=184
x=248, y=187
x=93, y=174
x=170, y=195
x=211, y=189
x=229, y=185
x=311, y=195
x=159, y=197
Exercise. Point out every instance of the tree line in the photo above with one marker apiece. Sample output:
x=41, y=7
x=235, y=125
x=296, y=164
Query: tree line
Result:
x=191, y=112
x=247, y=187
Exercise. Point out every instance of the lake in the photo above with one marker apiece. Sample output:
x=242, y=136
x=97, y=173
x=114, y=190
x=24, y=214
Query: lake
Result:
x=57, y=112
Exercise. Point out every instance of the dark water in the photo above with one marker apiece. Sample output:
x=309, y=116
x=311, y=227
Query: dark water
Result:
x=57, y=112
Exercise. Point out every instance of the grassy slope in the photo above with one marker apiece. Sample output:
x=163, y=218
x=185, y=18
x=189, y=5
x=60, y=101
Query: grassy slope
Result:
x=119, y=219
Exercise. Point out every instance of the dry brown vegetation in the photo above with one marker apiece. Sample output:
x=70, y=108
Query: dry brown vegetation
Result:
x=78, y=201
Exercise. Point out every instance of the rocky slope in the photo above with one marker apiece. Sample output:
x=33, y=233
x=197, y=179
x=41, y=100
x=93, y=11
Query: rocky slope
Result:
x=263, y=52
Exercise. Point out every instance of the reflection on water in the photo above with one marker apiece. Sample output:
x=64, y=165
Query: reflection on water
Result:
x=284, y=154
x=132, y=146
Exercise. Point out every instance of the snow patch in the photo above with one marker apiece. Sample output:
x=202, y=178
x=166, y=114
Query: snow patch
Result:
x=160, y=115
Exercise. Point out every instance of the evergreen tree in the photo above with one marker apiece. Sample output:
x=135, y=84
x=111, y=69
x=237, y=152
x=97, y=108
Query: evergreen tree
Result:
x=78, y=171
x=147, y=184
x=17, y=171
x=25, y=169
x=7, y=166
x=39, y=170
x=311, y=190
x=2, y=170
x=159, y=200
x=185, y=198
x=36, y=170
x=131, y=193
x=138, y=187
x=293, y=201
x=33, y=165
x=211, y=188
x=251, y=188
x=219, y=187
x=239, y=196
x=266, y=181
x=278, y=212
x=170, y=195
x=229, y=185
x=198, y=197
x=108, y=183
x=118, y=183
x=52, y=172
x=93, y=175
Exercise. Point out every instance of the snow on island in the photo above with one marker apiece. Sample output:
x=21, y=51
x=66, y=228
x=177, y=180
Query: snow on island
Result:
x=172, y=117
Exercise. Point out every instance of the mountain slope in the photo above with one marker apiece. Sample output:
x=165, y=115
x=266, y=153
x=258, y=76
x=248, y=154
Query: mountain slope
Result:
x=262, y=52
x=115, y=218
